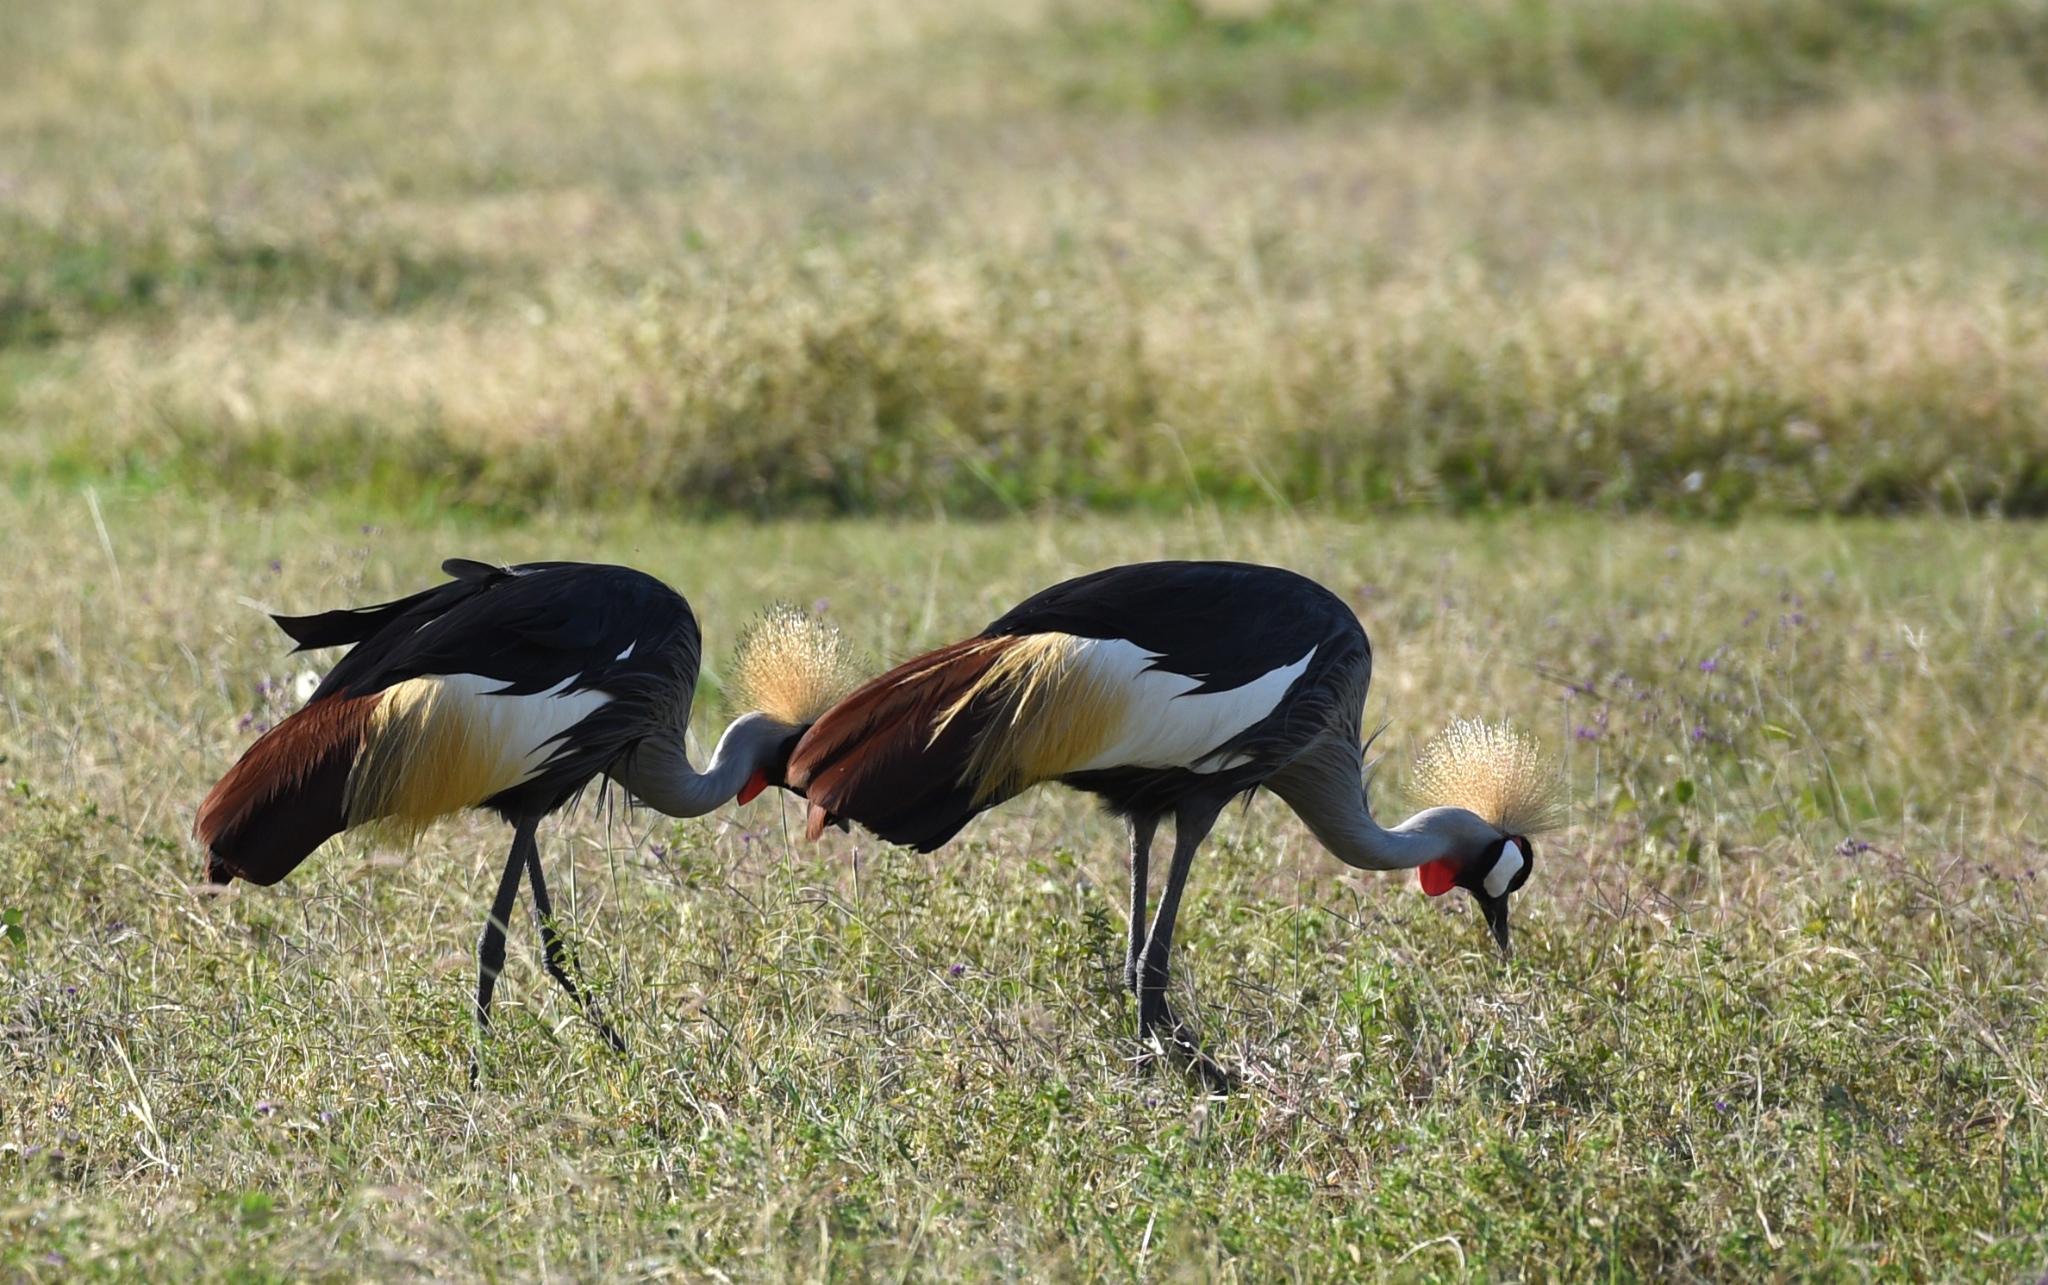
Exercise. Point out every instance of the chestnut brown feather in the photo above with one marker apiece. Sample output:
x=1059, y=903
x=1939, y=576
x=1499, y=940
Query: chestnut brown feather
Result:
x=285, y=797
x=893, y=752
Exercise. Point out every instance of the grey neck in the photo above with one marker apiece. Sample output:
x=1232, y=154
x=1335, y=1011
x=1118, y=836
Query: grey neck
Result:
x=658, y=773
x=1326, y=789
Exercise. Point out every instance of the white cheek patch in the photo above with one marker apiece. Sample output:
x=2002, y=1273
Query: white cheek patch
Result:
x=1502, y=876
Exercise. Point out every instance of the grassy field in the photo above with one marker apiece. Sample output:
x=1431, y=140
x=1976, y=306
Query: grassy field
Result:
x=1666, y=375
x=1776, y=1012
x=1701, y=256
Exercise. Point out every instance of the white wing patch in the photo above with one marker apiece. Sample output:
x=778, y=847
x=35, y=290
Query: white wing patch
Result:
x=629, y=650
x=1163, y=725
x=526, y=727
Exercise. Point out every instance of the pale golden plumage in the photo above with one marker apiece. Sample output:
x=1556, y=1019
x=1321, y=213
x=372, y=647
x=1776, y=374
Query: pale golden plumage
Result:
x=790, y=666
x=1057, y=712
x=1494, y=771
x=416, y=763
x=442, y=743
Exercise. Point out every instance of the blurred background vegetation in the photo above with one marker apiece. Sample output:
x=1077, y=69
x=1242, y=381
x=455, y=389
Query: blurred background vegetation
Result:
x=1693, y=255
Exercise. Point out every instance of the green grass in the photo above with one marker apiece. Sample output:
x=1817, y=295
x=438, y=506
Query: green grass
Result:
x=1776, y=1011
x=62, y=283
x=1701, y=258
x=1264, y=58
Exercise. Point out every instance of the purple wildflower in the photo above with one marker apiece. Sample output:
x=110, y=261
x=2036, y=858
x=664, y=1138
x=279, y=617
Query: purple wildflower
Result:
x=1709, y=665
x=957, y=969
x=266, y=1108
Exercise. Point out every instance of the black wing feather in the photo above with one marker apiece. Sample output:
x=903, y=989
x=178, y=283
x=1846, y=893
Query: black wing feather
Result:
x=352, y=625
x=529, y=627
x=1225, y=623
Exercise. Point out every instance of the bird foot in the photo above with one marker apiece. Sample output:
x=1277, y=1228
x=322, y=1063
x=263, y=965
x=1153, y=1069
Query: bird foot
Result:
x=1175, y=1045
x=611, y=1037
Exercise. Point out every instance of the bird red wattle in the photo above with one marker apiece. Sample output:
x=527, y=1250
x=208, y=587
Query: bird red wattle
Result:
x=1439, y=876
x=755, y=784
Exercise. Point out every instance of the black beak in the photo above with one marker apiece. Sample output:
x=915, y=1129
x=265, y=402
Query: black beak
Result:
x=1496, y=911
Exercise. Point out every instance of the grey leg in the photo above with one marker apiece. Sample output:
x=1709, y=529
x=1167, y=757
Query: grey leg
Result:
x=1156, y=1021
x=561, y=964
x=1142, y=830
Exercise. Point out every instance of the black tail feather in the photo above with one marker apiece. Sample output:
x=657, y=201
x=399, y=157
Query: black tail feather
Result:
x=470, y=569
x=350, y=625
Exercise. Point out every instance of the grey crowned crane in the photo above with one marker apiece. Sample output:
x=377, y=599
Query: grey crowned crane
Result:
x=509, y=689
x=1167, y=689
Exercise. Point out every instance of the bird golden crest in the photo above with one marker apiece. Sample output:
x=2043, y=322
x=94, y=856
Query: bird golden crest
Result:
x=1495, y=771
x=790, y=667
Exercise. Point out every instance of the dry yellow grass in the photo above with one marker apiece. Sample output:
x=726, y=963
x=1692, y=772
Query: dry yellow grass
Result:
x=783, y=260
